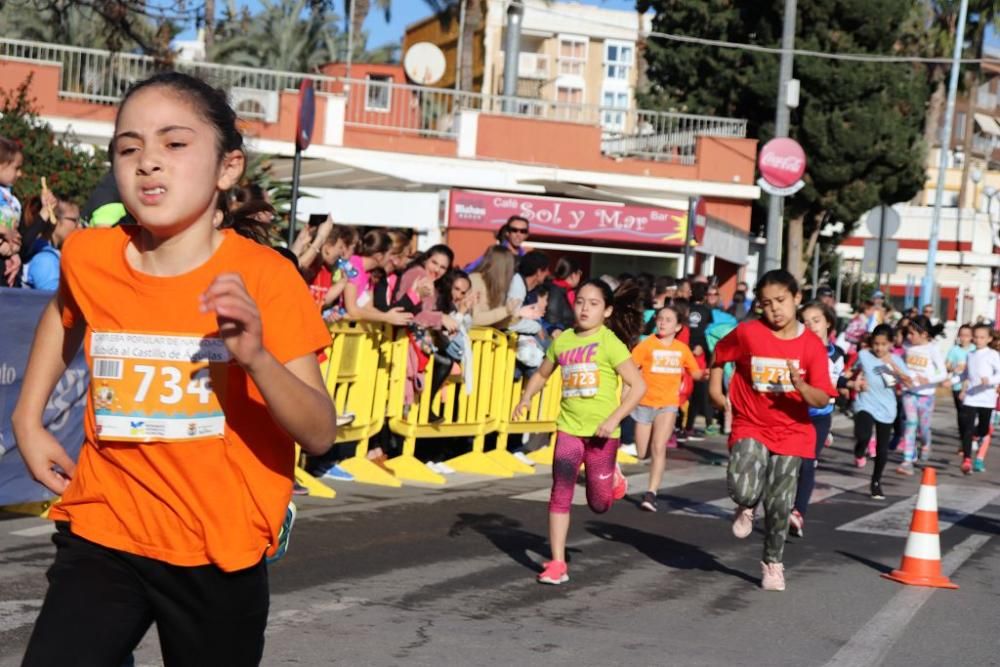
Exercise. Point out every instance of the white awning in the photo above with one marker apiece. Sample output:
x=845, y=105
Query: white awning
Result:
x=987, y=124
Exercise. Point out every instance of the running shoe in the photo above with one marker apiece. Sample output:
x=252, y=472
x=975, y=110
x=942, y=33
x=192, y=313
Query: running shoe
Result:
x=877, y=491
x=967, y=465
x=672, y=442
x=979, y=465
x=796, y=524
x=713, y=430
x=680, y=435
x=630, y=449
x=555, y=573
x=772, y=576
x=742, y=521
x=860, y=461
x=620, y=484
x=695, y=435
x=829, y=441
x=523, y=458
x=648, y=501
x=871, y=448
x=284, y=534
x=345, y=419
x=339, y=474
x=299, y=490
x=905, y=468
x=925, y=453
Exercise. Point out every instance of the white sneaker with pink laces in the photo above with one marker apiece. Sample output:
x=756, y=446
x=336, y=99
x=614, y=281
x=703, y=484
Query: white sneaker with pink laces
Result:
x=772, y=576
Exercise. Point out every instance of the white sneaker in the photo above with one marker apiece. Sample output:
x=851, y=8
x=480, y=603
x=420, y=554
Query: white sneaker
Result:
x=772, y=576
x=523, y=458
x=743, y=521
x=433, y=467
x=445, y=469
x=630, y=449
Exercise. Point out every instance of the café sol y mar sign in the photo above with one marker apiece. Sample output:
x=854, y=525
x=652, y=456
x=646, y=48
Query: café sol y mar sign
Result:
x=569, y=218
x=781, y=162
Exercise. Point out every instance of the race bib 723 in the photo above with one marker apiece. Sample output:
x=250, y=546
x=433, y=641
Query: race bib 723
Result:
x=580, y=380
x=152, y=387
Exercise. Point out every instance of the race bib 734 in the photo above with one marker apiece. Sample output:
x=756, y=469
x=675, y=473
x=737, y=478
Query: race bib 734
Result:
x=152, y=387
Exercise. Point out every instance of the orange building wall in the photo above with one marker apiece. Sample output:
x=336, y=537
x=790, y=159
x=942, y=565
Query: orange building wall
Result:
x=444, y=34
x=469, y=244
x=45, y=90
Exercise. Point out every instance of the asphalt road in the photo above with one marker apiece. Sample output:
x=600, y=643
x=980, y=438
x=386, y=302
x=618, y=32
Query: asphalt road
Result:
x=445, y=575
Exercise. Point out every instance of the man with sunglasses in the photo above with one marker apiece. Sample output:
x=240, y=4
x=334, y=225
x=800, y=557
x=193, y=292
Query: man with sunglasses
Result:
x=512, y=236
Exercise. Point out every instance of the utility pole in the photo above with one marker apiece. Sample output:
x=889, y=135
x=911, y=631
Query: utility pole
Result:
x=772, y=252
x=927, y=284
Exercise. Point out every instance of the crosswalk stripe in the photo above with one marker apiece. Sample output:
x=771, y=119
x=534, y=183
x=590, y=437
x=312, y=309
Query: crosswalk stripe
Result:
x=672, y=478
x=47, y=528
x=828, y=485
x=955, y=502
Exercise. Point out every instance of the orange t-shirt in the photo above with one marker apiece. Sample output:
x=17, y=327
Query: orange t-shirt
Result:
x=182, y=461
x=662, y=367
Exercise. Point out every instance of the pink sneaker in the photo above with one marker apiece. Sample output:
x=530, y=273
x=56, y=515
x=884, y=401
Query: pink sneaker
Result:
x=772, y=576
x=743, y=522
x=620, y=487
x=859, y=461
x=871, y=448
x=555, y=573
x=672, y=442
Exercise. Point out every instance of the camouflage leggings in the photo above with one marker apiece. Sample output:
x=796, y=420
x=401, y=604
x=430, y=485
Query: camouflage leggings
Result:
x=755, y=472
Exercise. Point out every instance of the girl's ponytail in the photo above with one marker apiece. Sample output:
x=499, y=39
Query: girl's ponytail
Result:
x=626, y=317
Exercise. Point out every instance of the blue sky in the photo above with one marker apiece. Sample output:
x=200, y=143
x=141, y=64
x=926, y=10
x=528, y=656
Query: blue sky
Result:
x=405, y=12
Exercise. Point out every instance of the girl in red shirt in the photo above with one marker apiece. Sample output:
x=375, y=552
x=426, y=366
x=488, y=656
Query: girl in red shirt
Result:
x=781, y=370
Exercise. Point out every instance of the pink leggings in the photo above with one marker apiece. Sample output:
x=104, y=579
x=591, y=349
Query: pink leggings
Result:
x=599, y=455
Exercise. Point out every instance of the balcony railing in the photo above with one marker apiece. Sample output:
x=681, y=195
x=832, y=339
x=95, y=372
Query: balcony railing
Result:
x=102, y=77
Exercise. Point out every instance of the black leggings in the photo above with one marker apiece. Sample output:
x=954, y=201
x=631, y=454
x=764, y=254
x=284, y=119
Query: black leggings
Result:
x=698, y=405
x=863, y=425
x=102, y=601
x=807, y=470
x=973, y=421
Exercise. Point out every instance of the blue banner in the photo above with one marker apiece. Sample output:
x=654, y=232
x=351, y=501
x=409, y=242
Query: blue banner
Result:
x=20, y=310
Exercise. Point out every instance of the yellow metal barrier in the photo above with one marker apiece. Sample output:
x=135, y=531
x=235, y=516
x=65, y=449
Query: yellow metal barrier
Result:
x=540, y=418
x=361, y=353
x=475, y=414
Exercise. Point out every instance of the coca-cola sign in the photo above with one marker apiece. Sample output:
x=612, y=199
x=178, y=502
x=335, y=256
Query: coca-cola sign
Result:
x=782, y=162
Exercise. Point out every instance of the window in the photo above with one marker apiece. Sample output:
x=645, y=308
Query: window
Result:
x=569, y=95
x=378, y=92
x=618, y=60
x=572, y=55
x=611, y=100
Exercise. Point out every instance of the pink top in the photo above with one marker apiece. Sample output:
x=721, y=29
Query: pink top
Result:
x=428, y=316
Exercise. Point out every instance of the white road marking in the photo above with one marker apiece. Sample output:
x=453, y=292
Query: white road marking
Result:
x=955, y=502
x=828, y=485
x=672, y=478
x=47, y=528
x=871, y=644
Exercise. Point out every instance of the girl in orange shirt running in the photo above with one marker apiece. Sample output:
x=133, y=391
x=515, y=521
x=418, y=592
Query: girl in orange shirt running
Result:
x=202, y=353
x=662, y=359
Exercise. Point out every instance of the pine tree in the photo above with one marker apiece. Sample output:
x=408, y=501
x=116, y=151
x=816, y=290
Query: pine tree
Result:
x=860, y=123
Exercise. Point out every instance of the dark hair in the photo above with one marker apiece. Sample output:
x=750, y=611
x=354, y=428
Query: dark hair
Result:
x=565, y=267
x=682, y=306
x=531, y=263
x=922, y=323
x=698, y=292
x=965, y=326
x=505, y=229
x=982, y=325
x=828, y=313
x=662, y=284
x=626, y=318
x=882, y=330
x=213, y=106
x=374, y=241
x=777, y=277
x=439, y=249
x=9, y=149
x=345, y=233
x=244, y=222
x=650, y=327
x=443, y=287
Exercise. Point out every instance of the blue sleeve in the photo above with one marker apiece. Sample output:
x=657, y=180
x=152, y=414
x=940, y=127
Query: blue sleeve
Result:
x=43, y=271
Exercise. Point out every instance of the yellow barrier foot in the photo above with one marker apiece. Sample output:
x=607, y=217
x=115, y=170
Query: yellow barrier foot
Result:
x=317, y=489
x=626, y=458
x=508, y=460
x=39, y=509
x=367, y=472
x=410, y=468
x=543, y=455
x=478, y=463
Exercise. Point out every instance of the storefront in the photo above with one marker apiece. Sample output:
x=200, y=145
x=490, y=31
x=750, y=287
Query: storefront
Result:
x=603, y=237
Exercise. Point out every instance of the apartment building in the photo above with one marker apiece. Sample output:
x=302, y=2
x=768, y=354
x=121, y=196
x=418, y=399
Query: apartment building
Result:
x=574, y=59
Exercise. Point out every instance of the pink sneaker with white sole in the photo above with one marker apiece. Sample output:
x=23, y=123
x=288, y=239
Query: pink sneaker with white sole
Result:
x=555, y=573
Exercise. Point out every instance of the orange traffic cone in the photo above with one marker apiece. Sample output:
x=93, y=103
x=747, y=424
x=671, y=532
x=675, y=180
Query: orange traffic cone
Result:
x=921, y=564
